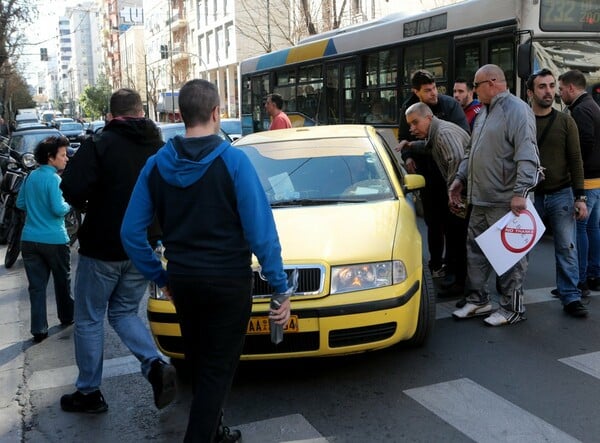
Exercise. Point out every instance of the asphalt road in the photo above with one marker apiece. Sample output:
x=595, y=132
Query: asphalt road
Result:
x=538, y=380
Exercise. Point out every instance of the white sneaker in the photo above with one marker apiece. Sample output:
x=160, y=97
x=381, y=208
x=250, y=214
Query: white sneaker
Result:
x=472, y=310
x=503, y=317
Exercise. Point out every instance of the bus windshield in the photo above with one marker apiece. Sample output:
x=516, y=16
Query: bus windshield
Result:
x=561, y=55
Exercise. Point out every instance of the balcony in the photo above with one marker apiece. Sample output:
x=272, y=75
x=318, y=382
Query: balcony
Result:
x=177, y=20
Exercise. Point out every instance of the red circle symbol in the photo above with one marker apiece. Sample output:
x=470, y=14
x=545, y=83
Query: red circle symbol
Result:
x=519, y=234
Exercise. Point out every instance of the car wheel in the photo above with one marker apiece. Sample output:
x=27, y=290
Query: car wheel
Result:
x=426, y=310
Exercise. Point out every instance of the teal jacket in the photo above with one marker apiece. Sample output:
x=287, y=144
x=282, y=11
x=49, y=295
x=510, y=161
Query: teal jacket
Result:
x=41, y=199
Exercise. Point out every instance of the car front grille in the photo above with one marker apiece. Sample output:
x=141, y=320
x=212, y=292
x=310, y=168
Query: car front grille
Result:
x=358, y=336
x=310, y=281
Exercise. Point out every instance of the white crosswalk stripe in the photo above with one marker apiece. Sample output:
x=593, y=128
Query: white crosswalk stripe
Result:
x=483, y=415
x=588, y=363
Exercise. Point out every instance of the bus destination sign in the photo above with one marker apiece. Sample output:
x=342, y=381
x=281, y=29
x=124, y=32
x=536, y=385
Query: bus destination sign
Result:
x=570, y=15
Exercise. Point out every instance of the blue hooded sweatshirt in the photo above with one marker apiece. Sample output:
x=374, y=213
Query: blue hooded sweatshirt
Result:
x=212, y=209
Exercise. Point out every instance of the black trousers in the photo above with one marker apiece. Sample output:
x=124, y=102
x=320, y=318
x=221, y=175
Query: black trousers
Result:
x=213, y=314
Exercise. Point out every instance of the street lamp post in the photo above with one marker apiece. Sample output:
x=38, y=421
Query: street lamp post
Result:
x=171, y=56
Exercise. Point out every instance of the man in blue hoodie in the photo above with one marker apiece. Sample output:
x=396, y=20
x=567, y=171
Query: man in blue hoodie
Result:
x=214, y=215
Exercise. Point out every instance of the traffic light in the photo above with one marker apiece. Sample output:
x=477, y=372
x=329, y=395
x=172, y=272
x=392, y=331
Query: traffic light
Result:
x=164, y=52
x=44, y=54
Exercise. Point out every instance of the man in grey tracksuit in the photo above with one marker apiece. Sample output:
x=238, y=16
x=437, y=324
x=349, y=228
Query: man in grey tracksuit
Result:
x=500, y=167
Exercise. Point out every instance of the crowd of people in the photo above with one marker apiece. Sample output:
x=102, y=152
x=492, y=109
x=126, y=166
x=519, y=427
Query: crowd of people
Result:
x=513, y=151
x=481, y=159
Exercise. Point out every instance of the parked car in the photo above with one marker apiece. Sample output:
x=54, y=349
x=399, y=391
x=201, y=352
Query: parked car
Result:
x=48, y=116
x=232, y=127
x=58, y=120
x=170, y=130
x=73, y=131
x=343, y=210
x=26, y=140
x=94, y=127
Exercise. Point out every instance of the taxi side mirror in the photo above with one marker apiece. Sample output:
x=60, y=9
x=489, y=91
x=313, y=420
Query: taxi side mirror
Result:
x=412, y=182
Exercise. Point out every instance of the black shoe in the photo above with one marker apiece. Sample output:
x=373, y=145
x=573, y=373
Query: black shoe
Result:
x=594, y=284
x=38, y=338
x=585, y=291
x=555, y=293
x=226, y=435
x=92, y=403
x=454, y=290
x=461, y=303
x=575, y=309
x=67, y=323
x=162, y=376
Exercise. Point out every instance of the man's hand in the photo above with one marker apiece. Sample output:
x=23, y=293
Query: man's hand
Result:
x=281, y=315
x=581, y=211
x=404, y=144
x=518, y=204
x=454, y=193
x=410, y=165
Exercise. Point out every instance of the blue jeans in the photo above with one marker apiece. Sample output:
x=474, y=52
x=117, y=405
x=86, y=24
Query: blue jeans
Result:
x=559, y=210
x=117, y=287
x=40, y=259
x=588, y=238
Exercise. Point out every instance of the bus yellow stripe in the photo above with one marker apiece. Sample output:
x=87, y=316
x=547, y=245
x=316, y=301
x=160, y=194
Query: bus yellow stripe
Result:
x=308, y=52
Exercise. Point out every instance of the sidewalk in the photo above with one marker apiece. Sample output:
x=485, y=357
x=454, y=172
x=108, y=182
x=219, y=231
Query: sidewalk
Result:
x=14, y=340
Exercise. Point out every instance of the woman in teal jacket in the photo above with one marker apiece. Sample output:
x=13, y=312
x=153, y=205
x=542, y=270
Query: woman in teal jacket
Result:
x=44, y=242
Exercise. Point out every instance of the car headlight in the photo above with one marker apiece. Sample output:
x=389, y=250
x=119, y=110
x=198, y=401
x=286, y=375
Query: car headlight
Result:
x=366, y=276
x=29, y=160
x=155, y=292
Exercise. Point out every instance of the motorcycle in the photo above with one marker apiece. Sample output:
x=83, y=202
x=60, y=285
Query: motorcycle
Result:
x=12, y=219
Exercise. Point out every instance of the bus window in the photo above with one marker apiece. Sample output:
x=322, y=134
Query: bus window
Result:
x=502, y=53
x=349, y=96
x=468, y=61
x=432, y=56
x=260, y=90
x=332, y=95
x=309, y=92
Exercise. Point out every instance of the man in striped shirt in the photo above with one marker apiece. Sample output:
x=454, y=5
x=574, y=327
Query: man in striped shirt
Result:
x=445, y=142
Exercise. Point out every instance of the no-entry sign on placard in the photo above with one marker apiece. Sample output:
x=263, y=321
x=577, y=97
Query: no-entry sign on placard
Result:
x=511, y=237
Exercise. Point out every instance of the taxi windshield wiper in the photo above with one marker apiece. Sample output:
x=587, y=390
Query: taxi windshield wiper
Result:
x=315, y=201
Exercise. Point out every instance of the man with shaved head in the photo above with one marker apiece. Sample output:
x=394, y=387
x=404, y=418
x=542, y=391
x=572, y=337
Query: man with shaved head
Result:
x=500, y=167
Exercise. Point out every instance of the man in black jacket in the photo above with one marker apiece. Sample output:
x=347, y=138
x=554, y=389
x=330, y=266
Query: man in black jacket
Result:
x=100, y=180
x=417, y=160
x=586, y=113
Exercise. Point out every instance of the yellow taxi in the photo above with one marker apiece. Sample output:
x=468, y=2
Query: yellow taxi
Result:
x=346, y=222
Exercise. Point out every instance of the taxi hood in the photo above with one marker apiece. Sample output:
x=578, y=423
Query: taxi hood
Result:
x=338, y=233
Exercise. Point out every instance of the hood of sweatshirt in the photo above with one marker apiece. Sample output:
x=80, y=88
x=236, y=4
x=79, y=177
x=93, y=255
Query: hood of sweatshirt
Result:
x=184, y=160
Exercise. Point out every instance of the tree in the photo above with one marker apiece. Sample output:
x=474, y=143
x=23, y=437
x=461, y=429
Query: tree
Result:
x=14, y=14
x=94, y=100
x=285, y=22
x=19, y=95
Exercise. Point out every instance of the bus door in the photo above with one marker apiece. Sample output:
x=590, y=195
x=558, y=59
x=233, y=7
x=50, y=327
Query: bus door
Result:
x=332, y=94
x=470, y=53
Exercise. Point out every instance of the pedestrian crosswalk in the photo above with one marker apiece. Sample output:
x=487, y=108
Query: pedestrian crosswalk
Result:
x=483, y=415
x=472, y=407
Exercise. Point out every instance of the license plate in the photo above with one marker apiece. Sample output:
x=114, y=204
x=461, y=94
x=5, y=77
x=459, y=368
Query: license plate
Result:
x=260, y=325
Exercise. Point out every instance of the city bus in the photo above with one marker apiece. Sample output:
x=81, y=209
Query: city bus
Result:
x=337, y=77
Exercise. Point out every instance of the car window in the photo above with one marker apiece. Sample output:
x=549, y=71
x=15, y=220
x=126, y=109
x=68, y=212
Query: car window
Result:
x=71, y=126
x=309, y=169
x=231, y=126
x=27, y=142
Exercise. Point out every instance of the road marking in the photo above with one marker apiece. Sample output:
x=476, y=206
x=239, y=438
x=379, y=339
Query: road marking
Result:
x=588, y=363
x=54, y=378
x=538, y=295
x=292, y=428
x=483, y=415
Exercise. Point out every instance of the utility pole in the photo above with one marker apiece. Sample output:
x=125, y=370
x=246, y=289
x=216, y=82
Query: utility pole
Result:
x=171, y=56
